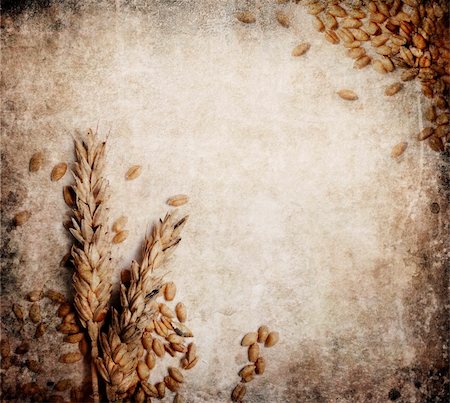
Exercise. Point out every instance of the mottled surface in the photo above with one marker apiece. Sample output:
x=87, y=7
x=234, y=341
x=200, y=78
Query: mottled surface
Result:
x=299, y=218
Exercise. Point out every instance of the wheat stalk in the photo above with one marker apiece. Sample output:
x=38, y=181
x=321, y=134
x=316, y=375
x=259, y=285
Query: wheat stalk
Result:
x=122, y=346
x=91, y=280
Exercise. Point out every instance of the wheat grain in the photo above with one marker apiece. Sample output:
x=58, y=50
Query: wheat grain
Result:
x=91, y=280
x=36, y=161
x=58, y=171
x=122, y=345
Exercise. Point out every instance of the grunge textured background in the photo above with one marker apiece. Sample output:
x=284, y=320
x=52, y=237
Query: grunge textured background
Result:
x=299, y=218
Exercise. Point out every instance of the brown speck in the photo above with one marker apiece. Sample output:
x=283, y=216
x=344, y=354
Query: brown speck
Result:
x=394, y=394
x=434, y=207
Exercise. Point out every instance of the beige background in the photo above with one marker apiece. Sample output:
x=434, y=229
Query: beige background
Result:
x=299, y=218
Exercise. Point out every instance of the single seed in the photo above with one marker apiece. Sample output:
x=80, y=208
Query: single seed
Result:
x=409, y=74
x=161, y=388
x=182, y=330
x=174, y=338
x=184, y=363
x=378, y=67
x=301, y=49
x=165, y=310
x=147, y=340
x=180, y=310
x=68, y=328
x=34, y=296
x=249, y=339
x=425, y=133
x=120, y=224
x=192, y=364
x=246, y=17
x=158, y=348
x=5, y=347
x=176, y=374
x=170, y=350
x=36, y=161
x=171, y=384
x=169, y=291
x=260, y=365
x=178, y=398
x=64, y=309
x=55, y=296
x=83, y=346
x=70, y=318
x=18, y=311
x=247, y=371
x=393, y=89
x=263, y=332
x=283, y=19
x=253, y=352
x=351, y=23
x=181, y=348
x=435, y=144
x=177, y=200
x=399, y=149
x=329, y=21
x=318, y=24
x=359, y=34
x=379, y=40
x=315, y=8
x=348, y=95
x=272, y=339
x=149, y=389
x=238, y=392
x=22, y=348
x=120, y=237
x=58, y=171
x=150, y=359
x=34, y=366
x=143, y=371
x=356, y=53
x=356, y=13
x=150, y=327
x=133, y=172
x=361, y=62
x=73, y=338
x=63, y=385
x=191, y=352
x=337, y=11
x=167, y=323
x=70, y=358
x=35, y=313
x=21, y=217
x=40, y=330
x=69, y=196
x=331, y=37
x=387, y=64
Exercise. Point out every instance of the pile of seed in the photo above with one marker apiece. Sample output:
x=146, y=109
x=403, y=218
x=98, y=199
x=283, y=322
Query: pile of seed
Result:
x=407, y=34
x=68, y=326
x=166, y=333
x=257, y=363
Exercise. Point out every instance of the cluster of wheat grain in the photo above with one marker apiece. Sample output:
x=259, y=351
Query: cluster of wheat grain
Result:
x=92, y=255
x=121, y=345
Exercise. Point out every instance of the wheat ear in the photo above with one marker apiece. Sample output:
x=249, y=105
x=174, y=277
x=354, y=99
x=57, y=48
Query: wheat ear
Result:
x=122, y=346
x=91, y=279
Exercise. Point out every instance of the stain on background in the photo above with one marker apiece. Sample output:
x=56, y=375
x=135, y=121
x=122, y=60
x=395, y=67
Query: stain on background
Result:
x=299, y=218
